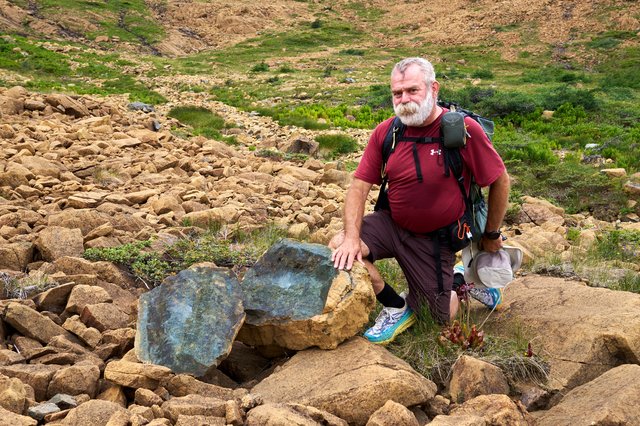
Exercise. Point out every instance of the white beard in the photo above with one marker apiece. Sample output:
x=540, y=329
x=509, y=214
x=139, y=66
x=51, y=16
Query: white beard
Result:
x=414, y=114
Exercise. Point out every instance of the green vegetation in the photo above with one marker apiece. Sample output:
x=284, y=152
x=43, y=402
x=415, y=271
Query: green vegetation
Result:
x=129, y=20
x=202, y=122
x=427, y=349
x=219, y=244
x=336, y=144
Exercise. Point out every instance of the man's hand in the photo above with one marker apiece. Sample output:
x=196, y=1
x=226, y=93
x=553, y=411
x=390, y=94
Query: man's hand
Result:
x=490, y=246
x=346, y=251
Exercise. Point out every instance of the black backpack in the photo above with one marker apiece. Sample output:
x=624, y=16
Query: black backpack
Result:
x=452, y=137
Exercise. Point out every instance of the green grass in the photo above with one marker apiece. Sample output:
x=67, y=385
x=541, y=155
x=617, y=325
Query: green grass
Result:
x=201, y=120
x=130, y=20
x=336, y=144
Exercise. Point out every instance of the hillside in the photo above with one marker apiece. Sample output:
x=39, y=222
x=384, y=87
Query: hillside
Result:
x=138, y=138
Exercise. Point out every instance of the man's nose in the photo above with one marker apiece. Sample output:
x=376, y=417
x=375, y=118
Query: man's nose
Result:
x=405, y=97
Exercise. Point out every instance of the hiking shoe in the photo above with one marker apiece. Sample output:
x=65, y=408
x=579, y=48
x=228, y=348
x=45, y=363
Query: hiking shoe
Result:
x=490, y=297
x=389, y=323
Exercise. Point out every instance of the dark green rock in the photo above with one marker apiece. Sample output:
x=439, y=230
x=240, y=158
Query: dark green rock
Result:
x=290, y=281
x=190, y=321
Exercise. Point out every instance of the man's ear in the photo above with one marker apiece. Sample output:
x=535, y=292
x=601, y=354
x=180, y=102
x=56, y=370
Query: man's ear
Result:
x=436, y=87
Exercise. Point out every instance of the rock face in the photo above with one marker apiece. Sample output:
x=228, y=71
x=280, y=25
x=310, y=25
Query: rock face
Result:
x=348, y=304
x=290, y=281
x=189, y=322
x=351, y=382
x=612, y=398
x=585, y=331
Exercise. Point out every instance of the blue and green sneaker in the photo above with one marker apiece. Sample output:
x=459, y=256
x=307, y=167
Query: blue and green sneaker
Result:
x=389, y=323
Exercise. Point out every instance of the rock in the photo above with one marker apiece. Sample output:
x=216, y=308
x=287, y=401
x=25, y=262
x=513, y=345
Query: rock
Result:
x=67, y=105
x=31, y=323
x=392, y=414
x=578, y=346
x=12, y=419
x=351, y=382
x=55, y=242
x=41, y=166
x=295, y=299
x=140, y=106
x=147, y=398
x=586, y=404
x=83, y=295
x=206, y=218
x=471, y=377
x=39, y=411
x=193, y=405
x=494, y=409
x=136, y=375
x=37, y=376
x=302, y=145
x=16, y=256
x=184, y=384
x=291, y=281
x=615, y=173
x=190, y=321
x=291, y=414
x=94, y=412
x=104, y=316
x=54, y=299
x=75, y=380
x=13, y=395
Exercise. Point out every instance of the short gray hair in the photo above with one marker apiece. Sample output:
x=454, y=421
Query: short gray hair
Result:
x=425, y=66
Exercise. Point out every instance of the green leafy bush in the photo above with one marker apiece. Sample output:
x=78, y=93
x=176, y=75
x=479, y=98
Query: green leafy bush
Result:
x=337, y=144
x=260, y=67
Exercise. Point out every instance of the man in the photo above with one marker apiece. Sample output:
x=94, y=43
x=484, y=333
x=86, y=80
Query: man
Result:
x=418, y=207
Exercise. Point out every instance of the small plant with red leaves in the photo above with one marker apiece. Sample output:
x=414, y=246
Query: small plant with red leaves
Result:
x=463, y=335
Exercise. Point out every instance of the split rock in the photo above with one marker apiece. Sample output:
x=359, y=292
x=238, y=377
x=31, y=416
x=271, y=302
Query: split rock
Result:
x=296, y=299
x=190, y=321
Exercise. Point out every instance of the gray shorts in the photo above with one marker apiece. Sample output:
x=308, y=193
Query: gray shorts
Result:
x=416, y=255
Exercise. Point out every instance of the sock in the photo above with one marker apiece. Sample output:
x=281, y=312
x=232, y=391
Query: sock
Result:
x=389, y=298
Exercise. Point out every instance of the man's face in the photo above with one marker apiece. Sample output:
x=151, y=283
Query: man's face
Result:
x=413, y=100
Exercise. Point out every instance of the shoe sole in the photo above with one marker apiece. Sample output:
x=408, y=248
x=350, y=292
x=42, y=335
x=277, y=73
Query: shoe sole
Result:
x=408, y=323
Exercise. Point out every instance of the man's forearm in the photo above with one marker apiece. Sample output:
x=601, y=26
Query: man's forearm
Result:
x=498, y=199
x=354, y=207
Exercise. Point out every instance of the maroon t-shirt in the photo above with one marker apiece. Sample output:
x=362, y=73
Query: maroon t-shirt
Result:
x=435, y=202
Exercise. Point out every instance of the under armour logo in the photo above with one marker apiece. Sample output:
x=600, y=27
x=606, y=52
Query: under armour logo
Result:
x=435, y=152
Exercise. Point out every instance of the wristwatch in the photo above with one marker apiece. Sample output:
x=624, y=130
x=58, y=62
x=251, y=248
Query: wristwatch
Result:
x=492, y=235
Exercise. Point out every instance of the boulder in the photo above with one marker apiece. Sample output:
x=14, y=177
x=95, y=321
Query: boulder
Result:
x=610, y=399
x=38, y=376
x=291, y=414
x=471, y=377
x=136, y=375
x=582, y=331
x=351, y=382
x=296, y=299
x=190, y=321
x=194, y=405
x=13, y=394
x=83, y=295
x=94, y=412
x=55, y=241
x=493, y=410
x=31, y=323
x=392, y=414
x=75, y=380
x=9, y=418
